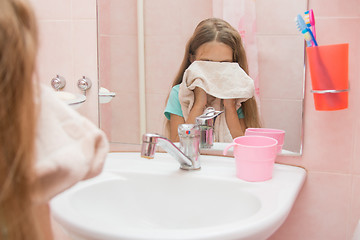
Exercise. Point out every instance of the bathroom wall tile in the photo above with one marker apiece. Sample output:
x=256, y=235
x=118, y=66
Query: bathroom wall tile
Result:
x=281, y=61
x=275, y=111
x=85, y=64
x=84, y=9
x=318, y=148
x=104, y=59
x=162, y=17
x=164, y=54
x=217, y=8
x=85, y=39
x=103, y=10
x=324, y=132
x=124, y=147
x=118, y=73
x=55, y=51
x=335, y=8
x=155, y=119
x=354, y=75
x=52, y=9
x=354, y=217
x=90, y=107
x=120, y=65
x=125, y=117
x=162, y=67
x=321, y=209
x=192, y=12
x=117, y=17
x=106, y=119
x=123, y=79
x=355, y=164
x=277, y=16
x=338, y=30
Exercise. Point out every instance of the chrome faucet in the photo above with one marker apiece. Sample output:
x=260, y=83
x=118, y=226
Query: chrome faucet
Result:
x=188, y=154
x=206, y=124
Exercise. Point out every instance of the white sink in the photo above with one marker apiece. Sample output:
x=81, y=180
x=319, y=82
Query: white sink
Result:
x=137, y=198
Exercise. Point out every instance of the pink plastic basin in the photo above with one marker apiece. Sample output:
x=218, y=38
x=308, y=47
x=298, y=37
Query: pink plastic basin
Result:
x=278, y=134
x=254, y=157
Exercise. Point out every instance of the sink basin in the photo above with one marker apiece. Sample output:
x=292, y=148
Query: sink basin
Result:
x=135, y=198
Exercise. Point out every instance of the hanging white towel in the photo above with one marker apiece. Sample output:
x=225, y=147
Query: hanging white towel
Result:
x=69, y=147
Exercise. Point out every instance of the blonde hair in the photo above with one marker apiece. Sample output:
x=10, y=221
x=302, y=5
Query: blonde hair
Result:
x=215, y=29
x=18, y=49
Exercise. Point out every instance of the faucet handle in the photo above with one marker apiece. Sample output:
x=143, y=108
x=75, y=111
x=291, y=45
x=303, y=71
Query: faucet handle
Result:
x=206, y=123
x=208, y=117
x=188, y=130
x=211, y=112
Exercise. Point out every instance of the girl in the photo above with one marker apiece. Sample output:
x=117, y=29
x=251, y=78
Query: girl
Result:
x=18, y=47
x=213, y=40
x=30, y=172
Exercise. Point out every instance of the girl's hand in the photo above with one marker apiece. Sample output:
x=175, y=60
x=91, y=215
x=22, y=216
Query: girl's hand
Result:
x=200, y=102
x=200, y=97
x=229, y=103
x=236, y=126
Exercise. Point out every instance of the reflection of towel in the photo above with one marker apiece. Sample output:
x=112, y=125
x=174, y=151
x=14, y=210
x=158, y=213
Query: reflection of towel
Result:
x=221, y=80
x=69, y=148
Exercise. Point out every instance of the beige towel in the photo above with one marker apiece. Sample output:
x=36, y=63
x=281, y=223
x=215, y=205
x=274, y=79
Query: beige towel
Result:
x=221, y=80
x=69, y=147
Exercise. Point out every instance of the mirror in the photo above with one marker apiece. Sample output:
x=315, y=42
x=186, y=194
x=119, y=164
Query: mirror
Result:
x=141, y=46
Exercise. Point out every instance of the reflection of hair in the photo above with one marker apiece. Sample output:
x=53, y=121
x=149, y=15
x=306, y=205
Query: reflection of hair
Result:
x=18, y=48
x=215, y=29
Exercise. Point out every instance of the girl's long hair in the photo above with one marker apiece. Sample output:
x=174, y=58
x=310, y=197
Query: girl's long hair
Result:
x=215, y=29
x=18, y=49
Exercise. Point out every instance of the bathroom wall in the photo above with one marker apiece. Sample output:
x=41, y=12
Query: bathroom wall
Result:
x=68, y=46
x=328, y=206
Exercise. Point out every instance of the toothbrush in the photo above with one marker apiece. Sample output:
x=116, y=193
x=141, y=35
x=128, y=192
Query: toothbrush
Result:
x=310, y=20
x=303, y=30
x=308, y=35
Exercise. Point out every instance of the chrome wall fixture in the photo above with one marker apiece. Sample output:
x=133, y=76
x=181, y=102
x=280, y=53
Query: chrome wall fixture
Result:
x=84, y=84
x=58, y=82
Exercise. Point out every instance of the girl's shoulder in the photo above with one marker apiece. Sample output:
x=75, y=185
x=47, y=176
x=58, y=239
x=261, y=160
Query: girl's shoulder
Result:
x=174, y=93
x=176, y=88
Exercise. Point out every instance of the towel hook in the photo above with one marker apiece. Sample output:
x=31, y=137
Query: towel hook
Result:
x=58, y=82
x=84, y=84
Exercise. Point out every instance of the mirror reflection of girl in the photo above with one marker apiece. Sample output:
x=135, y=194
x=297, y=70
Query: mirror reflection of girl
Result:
x=217, y=41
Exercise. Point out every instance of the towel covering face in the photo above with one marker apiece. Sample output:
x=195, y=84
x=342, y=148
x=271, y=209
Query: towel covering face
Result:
x=222, y=81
